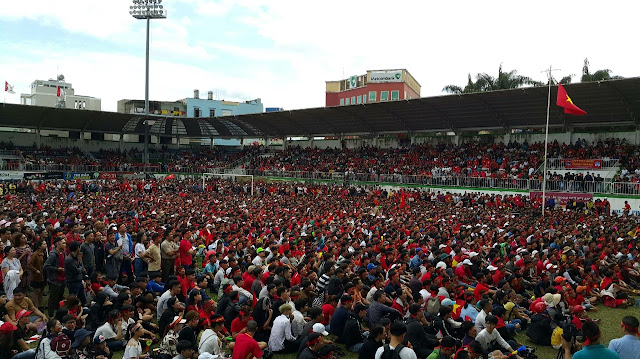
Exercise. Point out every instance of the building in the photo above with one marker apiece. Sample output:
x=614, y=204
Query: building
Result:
x=197, y=107
x=374, y=86
x=166, y=108
x=58, y=93
x=273, y=109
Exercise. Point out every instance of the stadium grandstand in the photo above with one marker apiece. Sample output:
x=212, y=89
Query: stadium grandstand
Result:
x=419, y=224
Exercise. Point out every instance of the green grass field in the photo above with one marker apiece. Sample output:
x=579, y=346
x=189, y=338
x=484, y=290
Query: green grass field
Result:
x=610, y=319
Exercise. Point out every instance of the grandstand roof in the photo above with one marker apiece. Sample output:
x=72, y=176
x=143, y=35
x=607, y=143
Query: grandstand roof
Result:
x=614, y=102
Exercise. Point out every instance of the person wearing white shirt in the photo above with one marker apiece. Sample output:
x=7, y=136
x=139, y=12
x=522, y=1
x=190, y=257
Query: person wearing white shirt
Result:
x=174, y=289
x=485, y=306
x=490, y=339
x=398, y=332
x=298, y=323
x=281, y=339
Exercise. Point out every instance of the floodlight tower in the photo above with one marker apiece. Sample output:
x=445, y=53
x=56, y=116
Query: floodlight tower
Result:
x=147, y=10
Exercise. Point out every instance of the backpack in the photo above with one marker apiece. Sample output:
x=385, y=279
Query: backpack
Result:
x=391, y=354
x=433, y=306
x=61, y=344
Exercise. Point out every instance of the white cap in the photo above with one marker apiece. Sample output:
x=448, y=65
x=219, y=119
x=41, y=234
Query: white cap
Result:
x=442, y=246
x=442, y=265
x=472, y=254
x=467, y=262
x=551, y=265
x=320, y=329
x=492, y=268
x=534, y=252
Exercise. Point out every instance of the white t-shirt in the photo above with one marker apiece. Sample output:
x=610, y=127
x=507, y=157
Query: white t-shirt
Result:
x=132, y=351
x=139, y=249
x=405, y=353
x=106, y=331
x=209, y=342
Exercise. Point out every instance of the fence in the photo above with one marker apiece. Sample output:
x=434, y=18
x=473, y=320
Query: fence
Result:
x=584, y=164
x=622, y=188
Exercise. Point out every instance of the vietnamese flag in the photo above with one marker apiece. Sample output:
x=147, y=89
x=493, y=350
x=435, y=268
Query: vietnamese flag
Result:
x=170, y=177
x=565, y=102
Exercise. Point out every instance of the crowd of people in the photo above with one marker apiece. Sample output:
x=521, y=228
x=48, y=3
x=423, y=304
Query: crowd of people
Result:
x=171, y=269
x=512, y=160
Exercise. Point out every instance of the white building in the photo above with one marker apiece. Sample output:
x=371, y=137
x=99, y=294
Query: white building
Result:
x=45, y=93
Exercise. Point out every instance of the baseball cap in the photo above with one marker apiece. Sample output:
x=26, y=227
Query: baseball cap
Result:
x=467, y=262
x=319, y=328
x=177, y=320
x=360, y=307
x=371, y=266
x=23, y=313
x=447, y=302
x=99, y=339
x=7, y=327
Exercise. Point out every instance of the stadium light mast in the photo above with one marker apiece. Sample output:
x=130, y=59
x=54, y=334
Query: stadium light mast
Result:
x=147, y=10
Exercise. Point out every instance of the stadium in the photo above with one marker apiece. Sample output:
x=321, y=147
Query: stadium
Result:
x=499, y=220
x=355, y=218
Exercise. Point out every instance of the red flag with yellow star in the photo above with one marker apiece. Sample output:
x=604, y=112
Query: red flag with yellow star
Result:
x=565, y=102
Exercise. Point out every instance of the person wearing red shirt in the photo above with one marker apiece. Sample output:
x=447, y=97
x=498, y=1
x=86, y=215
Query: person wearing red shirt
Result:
x=328, y=309
x=186, y=251
x=239, y=324
x=187, y=282
x=73, y=235
x=245, y=346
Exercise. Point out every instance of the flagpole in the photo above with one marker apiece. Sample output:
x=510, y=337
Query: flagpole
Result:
x=546, y=140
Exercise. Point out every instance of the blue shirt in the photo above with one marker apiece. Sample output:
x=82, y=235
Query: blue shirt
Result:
x=627, y=347
x=596, y=351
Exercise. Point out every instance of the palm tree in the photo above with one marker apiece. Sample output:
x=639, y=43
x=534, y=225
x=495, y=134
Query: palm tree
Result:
x=600, y=75
x=485, y=82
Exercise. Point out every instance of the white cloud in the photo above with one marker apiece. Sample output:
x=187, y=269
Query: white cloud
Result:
x=295, y=46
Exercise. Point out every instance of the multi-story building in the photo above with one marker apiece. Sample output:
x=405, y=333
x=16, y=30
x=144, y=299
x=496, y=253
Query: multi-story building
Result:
x=58, y=93
x=374, y=86
x=166, y=108
x=197, y=107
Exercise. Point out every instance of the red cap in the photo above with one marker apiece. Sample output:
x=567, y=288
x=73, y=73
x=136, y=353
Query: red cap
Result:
x=23, y=313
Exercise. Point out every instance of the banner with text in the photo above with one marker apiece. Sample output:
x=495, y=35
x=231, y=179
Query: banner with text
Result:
x=385, y=76
x=562, y=198
x=583, y=164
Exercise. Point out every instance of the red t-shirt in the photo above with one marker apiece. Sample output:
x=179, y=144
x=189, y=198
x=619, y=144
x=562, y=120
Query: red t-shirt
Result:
x=237, y=325
x=327, y=310
x=245, y=346
x=477, y=292
x=185, y=257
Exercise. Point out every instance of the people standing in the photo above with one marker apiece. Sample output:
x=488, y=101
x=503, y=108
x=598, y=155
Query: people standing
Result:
x=36, y=269
x=114, y=254
x=54, y=267
x=74, y=272
x=168, y=251
x=87, y=253
x=11, y=271
x=123, y=239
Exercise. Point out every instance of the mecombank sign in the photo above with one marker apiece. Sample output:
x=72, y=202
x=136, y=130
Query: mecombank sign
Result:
x=385, y=76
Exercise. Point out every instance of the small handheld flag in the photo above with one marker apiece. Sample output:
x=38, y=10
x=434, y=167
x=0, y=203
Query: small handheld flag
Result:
x=565, y=102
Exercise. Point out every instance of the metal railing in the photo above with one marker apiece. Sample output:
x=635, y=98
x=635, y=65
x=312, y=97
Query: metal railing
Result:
x=603, y=187
x=561, y=164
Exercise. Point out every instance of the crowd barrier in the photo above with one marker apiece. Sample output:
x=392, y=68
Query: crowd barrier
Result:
x=70, y=172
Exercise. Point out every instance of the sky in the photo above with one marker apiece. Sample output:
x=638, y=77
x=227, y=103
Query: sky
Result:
x=283, y=51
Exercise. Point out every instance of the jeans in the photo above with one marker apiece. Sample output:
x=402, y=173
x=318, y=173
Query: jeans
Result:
x=167, y=268
x=115, y=345
x=138, y=266
x=77, y=288
x=56, y=294
x=29, y=354
x=356, y=347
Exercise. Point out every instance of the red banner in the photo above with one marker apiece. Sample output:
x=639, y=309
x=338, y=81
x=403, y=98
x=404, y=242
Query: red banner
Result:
x=108, y=175
x=562, y=198
x=583, y=164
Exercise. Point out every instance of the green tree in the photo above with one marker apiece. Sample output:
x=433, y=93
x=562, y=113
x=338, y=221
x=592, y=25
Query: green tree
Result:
x=599, y=75
x=485, y=82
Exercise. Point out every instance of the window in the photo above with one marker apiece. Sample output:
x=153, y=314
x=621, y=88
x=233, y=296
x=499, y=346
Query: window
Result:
x=395, y=95
x=353, y=100
x=359, y=100
x=364, y=98
x=196, y=112
x=346, y=101
x=405, y=95
x=226, y=112
x=212, y=112
x=372, y=96
x=384, y=95
x=341, y=102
